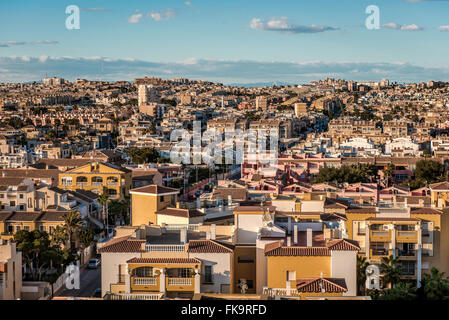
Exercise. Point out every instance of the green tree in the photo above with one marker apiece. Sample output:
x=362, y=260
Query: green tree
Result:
x=390, y=271
x=103, y=200
x=388, y=172
x=434, y=286
x=429, y=170
x=86, y=237
x=402, y=291
x=362, y=264
x=72, y=224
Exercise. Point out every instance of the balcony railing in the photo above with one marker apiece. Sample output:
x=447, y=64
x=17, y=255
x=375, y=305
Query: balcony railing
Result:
x=82, y=184
x=179, y=281
x=379, y=252
x=97, y=184
x=272, y=292
x=145, y=281
x=164, y=248
x=407, y=236
x=110, y=183
x=190, y=227
x=134, y=296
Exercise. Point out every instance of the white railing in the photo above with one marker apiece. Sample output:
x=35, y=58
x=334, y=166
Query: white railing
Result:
x=179, y=281
x=272, y=292
x=165, y=248
x=145, y=281
x=406, y=233
x=136, y=296
x=190, y=227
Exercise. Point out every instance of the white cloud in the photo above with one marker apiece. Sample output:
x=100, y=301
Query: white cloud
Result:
x=45, y=42
x=226, y=71
x=405, y=27
x=162, y=15
x=281, y=25
x=391, y=25
x=443, y=28
x=188, y=3
x=135, y=18
x=411, y=27
x=94, y=9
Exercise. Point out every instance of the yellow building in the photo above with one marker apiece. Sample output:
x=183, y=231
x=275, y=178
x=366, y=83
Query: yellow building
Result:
x=98, y=177
x=417, y=235
x=311, y=267
x=147, y=200
x=11, y=222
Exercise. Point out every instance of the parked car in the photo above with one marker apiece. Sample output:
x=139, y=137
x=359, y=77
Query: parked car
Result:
x=93, y=263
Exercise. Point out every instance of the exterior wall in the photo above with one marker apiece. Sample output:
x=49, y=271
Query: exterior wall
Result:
x=171, y=219
x=110, y=269
x=144, y=207
x=312, y=206
x=221, y=270
x=261, y=265
x=244, y=270
x=305, y=267
x=344, y=265
x=248, y=225
x=12, y=278
x=284, y=205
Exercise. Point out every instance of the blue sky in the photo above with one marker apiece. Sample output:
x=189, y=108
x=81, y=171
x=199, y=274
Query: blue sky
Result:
x=229, y=41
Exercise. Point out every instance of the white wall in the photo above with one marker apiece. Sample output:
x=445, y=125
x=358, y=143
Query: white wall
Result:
x=110, y=268
x=248, y=226
x=344, y=265
x=221, y=270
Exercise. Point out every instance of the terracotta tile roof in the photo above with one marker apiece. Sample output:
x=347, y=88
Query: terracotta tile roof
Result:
x=333, y=216
x=334, y=285
x=165, y=260
x=57, y=216
x=25, y=216
x=361, y=210
x=343, y=245
x=30, y=173
x=184, y=213
x=297, y=251
x=392, y=219
x=254, y=208
x=122, y=244
x=208, y=246
x=4, y=215
x=440, y=186
x=155, y=189
x=224, y=193
x=5, y=181
x=425, y=211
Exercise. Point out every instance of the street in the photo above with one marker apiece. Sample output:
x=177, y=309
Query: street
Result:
x=90, y=280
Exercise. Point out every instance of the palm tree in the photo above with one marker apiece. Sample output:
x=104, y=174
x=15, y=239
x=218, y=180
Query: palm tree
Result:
x=362, y=264
x=434, y=286
x=388, y=172
x=402, y=291
x=72, y=223
x=103, y=200
x=390, y=270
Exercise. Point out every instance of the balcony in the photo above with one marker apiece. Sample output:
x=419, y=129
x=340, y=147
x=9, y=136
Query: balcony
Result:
x=180, y=284
x=379, y=253
x=111, y=183
x=380, y=235
x=82, y=184
x=97, y=184
x=134, y=296
x=407, y=236
x=273, y=292
x=165, y=248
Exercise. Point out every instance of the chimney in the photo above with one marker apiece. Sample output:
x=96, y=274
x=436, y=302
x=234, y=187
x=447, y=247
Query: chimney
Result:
x=183, y=236
x=289, y=225
x=309, y=237
x=178, y=205
x=229, y=200
x=213, y=232
x=289, y=241
x=295, y=234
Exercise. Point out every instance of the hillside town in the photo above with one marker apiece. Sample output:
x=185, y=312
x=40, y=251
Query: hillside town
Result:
x=354, y=203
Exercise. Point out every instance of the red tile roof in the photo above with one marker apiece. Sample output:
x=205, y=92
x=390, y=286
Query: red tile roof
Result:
x=334, y=285
x=208, y=246
x=155, y=189
x=165, y=260
x=123, y=244
x=343, y=245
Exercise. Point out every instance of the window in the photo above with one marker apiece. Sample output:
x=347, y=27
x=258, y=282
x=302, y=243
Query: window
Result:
x=17, y=228
x=162, y=198
x=10, y=229
x=361, y=229
x=41, y=228
x=208, y=274
x=245, y=259
x=21, y=196
x=143, y=272
x=12, y=204
x=185, y=273
x=2, y=196
x=408, y=268
x=27, y=228
x=21, y=207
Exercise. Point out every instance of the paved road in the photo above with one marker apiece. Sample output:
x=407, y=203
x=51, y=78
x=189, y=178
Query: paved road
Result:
x=90, y=280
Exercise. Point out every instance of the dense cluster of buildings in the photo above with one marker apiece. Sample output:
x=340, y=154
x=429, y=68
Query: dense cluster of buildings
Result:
x=253, y=229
